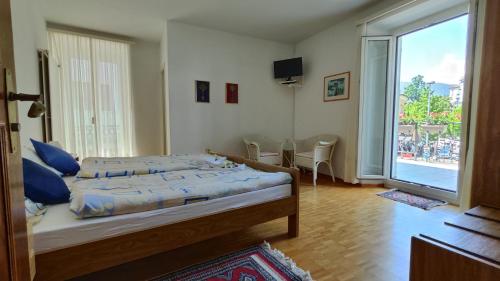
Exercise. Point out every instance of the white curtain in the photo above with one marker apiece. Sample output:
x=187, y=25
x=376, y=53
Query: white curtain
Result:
x=91, y=105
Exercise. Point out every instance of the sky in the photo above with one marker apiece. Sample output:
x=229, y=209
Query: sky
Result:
x=437, y=52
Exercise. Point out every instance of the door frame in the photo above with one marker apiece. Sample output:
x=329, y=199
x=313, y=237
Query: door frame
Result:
x=166, y=109
x=14, y=254
x=421, y=189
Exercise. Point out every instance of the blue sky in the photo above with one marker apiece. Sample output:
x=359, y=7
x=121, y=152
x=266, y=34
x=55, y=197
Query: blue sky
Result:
x=437, y=52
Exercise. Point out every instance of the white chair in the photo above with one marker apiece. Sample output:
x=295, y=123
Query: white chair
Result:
x=311, y=152
x=263, y=149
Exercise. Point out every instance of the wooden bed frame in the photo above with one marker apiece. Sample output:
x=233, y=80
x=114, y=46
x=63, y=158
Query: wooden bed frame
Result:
x=83, y=259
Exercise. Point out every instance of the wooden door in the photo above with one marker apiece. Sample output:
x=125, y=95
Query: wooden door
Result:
x=14, y=264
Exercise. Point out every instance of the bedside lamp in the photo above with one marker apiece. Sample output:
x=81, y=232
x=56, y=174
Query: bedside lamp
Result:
x=37, y=108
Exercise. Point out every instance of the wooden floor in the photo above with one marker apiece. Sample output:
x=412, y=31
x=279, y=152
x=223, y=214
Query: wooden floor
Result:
x=347, y=233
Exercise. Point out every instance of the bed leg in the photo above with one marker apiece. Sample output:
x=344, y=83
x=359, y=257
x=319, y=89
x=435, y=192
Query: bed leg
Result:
x=293, y=226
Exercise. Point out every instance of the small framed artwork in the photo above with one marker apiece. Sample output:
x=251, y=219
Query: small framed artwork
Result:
x=336, y=87
x=231, y=93
x=202, y=91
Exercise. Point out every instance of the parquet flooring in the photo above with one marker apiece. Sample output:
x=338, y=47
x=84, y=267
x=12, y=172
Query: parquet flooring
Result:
x=347, y=233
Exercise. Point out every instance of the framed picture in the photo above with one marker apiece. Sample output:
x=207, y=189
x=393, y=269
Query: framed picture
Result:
x=336, y=87
x=202, y=91
x=231, y=93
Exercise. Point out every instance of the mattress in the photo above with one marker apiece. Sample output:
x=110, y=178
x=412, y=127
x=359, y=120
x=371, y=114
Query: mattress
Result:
x=101, y=197
x=60, y=228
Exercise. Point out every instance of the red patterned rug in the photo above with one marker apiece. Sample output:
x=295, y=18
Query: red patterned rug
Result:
x=257, y=263
x=411, y=199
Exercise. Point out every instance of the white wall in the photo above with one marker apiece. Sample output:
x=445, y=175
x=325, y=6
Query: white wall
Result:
x=334, y=50
x=264, y=107
x=28, y=27
x=147, y=99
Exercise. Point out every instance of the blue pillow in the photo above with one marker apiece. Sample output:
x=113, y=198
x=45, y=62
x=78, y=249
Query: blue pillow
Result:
x=56, y=158
x=41, y=185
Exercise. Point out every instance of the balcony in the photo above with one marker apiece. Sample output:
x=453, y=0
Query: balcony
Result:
x=428, y=155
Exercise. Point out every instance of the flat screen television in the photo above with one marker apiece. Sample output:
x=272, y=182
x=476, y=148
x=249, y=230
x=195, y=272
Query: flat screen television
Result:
x=288, y=68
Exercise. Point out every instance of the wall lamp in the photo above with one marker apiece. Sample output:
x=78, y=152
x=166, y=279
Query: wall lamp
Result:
x=37, y=108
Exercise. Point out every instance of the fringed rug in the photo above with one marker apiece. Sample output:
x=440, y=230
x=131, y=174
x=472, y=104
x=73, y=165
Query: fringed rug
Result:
x=412, y=199
x=253, y=264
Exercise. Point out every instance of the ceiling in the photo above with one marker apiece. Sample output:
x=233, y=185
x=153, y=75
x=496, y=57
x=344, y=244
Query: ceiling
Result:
x=286, y=21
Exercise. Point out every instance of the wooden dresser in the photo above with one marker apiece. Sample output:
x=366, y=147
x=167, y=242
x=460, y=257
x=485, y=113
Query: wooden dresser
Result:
x=464, y=248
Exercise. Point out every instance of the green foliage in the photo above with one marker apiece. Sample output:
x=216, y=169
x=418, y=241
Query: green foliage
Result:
x=416, y=89
x=414, y=113
x=422, y=107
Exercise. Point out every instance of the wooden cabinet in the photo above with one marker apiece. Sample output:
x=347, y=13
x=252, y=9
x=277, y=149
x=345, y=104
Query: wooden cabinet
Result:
x=434, y=261
x=466, y=248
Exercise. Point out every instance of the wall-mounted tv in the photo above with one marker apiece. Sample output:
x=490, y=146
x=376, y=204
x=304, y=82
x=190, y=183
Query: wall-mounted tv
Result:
x=288, y=68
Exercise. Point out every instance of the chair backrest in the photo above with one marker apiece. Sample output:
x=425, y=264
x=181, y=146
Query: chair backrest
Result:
x=331, y=141
x=309, y=143
x=265, y=143
x=253, y=151
x=322, y=152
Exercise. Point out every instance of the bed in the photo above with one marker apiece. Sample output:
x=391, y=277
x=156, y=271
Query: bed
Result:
x=66, y=247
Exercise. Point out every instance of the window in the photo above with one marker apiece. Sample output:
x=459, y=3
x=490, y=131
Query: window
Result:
x=93, y=115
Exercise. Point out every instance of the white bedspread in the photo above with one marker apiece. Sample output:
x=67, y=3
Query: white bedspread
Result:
x=100, y=167
x=121, y=195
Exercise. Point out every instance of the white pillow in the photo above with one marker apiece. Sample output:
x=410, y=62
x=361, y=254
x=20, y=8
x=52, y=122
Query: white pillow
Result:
x=30, y=154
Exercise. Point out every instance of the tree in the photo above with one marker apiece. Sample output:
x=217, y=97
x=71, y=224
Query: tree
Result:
x=442, y=112
x=416, y=89
x=455, y=122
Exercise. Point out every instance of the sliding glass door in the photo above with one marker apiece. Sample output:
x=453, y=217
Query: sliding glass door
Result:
x=427, y=123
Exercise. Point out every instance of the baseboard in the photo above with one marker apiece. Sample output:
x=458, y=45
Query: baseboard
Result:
x=327, y=180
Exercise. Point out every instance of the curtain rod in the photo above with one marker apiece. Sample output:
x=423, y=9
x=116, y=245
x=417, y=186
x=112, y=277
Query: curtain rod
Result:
x=89, y=33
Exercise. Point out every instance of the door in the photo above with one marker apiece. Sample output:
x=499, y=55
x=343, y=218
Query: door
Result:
x=427, y=118
x=14, y=264
x=375, y=67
